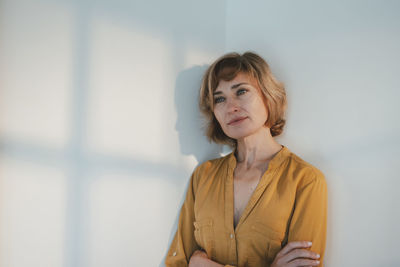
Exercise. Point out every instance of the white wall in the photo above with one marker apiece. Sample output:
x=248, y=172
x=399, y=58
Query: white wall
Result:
x=99, y=128
x=99, y=131
x=340, y=62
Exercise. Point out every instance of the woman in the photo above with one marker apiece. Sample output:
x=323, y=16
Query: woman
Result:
x=260, y=205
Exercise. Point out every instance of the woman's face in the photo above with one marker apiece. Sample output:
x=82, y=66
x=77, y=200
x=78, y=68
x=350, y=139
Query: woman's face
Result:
x=239, y=107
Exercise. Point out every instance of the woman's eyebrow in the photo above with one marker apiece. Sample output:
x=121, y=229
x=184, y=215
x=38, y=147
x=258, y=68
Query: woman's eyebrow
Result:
x=237, y=85
x=232, y=87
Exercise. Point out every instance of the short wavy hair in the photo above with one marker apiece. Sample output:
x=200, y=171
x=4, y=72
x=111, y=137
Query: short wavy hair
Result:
x=226, y=68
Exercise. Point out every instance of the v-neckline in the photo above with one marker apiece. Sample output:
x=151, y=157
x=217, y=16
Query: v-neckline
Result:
x=261, y=185
x=250, y=197
x=250, y=203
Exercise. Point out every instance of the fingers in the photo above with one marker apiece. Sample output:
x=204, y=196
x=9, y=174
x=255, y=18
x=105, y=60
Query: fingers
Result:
x=303, y=262
x=293, y=245
x=296, y=253
x=301, y=253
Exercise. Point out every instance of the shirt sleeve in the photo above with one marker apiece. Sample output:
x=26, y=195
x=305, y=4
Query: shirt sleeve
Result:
x=184, y=243
x=309, y=219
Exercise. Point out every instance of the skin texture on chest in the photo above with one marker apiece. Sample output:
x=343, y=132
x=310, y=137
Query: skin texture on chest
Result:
x=245, y=182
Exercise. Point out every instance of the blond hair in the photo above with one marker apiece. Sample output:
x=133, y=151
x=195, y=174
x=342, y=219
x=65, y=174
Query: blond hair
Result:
x=226, y=68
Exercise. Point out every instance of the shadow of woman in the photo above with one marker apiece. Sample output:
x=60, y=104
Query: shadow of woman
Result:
x=190, y=126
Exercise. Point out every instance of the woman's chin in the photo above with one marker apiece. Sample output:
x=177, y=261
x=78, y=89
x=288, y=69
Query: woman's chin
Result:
x=241, y=133
x=238, y=136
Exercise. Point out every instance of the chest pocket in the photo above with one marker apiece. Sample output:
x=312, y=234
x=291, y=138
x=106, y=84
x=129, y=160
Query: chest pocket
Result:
x=204, y=235
x=264, y=244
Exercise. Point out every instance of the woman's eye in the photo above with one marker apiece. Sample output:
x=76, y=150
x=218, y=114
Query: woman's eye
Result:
x=241, y=91
x=218, y=99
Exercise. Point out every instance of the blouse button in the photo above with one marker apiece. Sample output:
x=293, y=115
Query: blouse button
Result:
x=231, y=236
x=174, y=254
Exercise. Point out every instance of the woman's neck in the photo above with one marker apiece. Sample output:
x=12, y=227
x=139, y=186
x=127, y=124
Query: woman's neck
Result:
x=256, y=148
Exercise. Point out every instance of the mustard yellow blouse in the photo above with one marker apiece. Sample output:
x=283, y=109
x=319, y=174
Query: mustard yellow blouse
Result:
x=288, y=204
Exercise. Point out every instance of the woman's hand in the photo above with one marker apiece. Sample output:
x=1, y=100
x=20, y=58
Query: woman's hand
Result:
x=294, y=254
x=200, y=259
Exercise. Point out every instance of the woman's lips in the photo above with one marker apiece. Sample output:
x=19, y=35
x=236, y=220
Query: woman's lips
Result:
x=237, y=121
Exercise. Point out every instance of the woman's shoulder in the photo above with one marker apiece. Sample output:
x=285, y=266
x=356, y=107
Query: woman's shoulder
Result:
x=214, y=163
x=303, y=171
x=211, y=167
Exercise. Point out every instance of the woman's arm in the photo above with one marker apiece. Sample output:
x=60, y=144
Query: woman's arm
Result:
x=200, y=259
x=307, y=224
x=309, y=218
x=184, y=243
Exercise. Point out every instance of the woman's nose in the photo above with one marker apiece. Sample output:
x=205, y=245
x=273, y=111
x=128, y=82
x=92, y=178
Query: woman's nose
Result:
x=232, y=105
